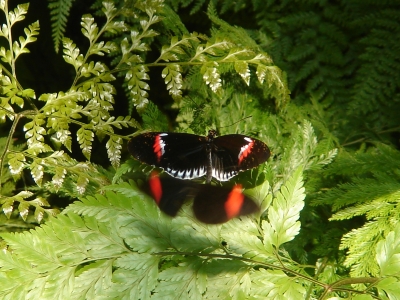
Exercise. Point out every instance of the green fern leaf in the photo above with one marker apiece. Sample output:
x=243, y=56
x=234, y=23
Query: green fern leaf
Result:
x=6, y=55
x=18, y=14
x=155, y=117
x=35, y=131
x=59, y=11
x=31, y=32
x=93, y=279
x=149, y=230
x=72, y=54
x=185, y=281
x=360, y=247
x=37, y=170
x=59, y=176
x=136, y=277
x=173, y=79
x=114, y=146
x=89, y=27
x=102, y=48
x=242, y=68
x=19, y=280
x=16, y=162
x=7, y=110
x=4, y=30
x=93, y=69
x=58, y=285
x=389, y=286
x=23, y=209
x=227, y=279
x=388, y=258
x=388, y=253
x=283, y=225
x=276, y=285
x=138, y=88
x=57, y=256
x=211, y=76
x=196, y=237
x=127, y=189
x=42, y=256
x=81, y=184
x=245, y=242
x=92, y=206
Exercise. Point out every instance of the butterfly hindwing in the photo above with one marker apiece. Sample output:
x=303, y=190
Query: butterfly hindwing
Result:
x=169, y=193
x=211, y=204
x=215, y=204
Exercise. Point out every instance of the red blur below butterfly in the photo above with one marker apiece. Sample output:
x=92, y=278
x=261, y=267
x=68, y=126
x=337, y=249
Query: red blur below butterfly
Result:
x=211, y=204
x=188, y=156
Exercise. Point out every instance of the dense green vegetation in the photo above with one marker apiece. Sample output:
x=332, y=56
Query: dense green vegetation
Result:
x=318, y=81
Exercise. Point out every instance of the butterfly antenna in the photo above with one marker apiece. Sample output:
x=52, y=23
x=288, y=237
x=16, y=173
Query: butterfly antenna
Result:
x=248, y=117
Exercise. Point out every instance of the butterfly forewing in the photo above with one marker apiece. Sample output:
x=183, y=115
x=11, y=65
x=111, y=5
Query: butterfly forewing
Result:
x=182, y=155
x=234, y=153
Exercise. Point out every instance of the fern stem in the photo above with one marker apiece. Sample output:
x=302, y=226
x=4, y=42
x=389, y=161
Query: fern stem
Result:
x=254, y=262
x=395, y=129
x=9, y=38
x=318, y=271
x=327, y=288
x=8, y=142
x=361, y=280
x=100, y=130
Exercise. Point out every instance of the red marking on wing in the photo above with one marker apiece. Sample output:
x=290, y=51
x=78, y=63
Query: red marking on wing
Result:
x=234, y=203
x=157, y=147
x=155, y=187
x=246, y=152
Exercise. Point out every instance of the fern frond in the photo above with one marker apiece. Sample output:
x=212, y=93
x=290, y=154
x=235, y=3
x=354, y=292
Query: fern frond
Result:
x=59, y=11
x=387, y=256
x=288, y=203
x=362, y=191
x=374, y=194
x=377, y=78
x=304, y=152
x=362, y=249
x=58, y=256
x=122, y=245
x=388, y=252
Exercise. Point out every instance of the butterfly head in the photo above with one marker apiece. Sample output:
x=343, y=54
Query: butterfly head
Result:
x=211, y=134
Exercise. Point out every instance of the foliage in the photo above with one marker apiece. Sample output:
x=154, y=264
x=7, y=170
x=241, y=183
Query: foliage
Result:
x=127, y=249
x=328, y=221
x=90, y=98
x=342, y=55
x=373, y=192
